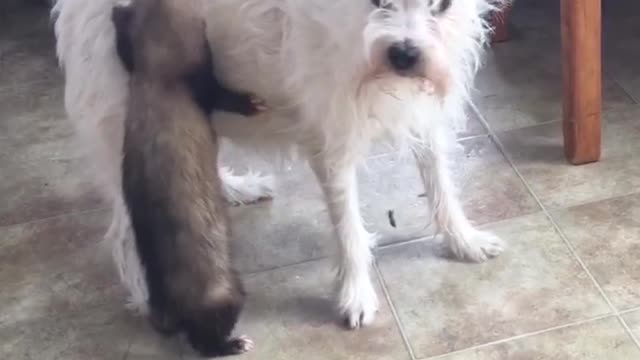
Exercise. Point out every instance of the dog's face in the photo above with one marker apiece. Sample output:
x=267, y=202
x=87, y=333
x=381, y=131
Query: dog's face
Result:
x=404, y=38
x=421, y=39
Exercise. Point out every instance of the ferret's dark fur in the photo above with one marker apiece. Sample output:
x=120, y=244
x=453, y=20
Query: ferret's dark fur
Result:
x=170, y=175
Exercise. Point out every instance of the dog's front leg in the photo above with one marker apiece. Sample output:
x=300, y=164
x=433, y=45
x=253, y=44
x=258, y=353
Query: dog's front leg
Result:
x=463, y=239
x=356, y=297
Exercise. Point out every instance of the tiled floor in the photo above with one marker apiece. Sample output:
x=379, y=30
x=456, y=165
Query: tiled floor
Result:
x=568, y=288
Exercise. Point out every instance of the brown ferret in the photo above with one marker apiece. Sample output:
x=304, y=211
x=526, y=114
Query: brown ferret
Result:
x=170, y=175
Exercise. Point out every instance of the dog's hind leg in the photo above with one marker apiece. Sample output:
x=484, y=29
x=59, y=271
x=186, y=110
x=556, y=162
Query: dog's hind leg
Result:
x=246, y=189
x=463, y=239
x=356, y=297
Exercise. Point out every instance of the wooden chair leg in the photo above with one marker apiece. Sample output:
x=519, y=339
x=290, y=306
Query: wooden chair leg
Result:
x=582, y=79
x=500, y=24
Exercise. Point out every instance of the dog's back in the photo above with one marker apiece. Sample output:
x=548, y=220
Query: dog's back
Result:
x=170, y=178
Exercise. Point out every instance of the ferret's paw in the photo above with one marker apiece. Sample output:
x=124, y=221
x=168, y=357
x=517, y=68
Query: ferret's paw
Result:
x=241, y=344
x=257, y=105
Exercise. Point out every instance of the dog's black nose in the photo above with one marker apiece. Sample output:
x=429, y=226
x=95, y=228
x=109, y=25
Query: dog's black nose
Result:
x=403, y=55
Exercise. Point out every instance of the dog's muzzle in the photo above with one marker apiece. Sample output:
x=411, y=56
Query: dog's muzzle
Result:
x=403, y=56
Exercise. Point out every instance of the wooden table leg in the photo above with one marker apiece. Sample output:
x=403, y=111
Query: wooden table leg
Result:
x=582, y=79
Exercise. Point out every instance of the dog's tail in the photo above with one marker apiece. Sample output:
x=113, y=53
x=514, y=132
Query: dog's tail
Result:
x=56, y=5
x=78, y=20
x=95, y=98
x=66, y=7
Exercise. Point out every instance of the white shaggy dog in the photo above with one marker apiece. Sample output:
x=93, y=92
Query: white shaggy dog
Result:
x=337, y=75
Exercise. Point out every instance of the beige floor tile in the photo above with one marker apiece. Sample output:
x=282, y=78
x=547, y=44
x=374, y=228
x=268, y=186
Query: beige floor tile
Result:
x=518, y=109
x=295, y=225
x=489, y=189
x=56, y=266
x=40, y=189
x=473, y=127
x=619, y=45
x=27, y=61
x=150, y=345
x=538, y=154
x=535, y=17
x=291, y=228
x=59, y=295
x=521, y=83
x=633, y=321
x=23, y=19
x=33, y=125
x=102, y=333
x=529, y=65
x=290, y=315
x=597, y=340
x=446, y=305
x=605, y=235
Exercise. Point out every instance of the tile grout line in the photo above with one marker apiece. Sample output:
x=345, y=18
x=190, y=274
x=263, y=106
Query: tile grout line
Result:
x=427, y=237
x=394, y=312
x=392, y=151
x=626, y=327
x=53, y=217
x=596, y=200
x=615, y=80
x=630, y=310
x=471, y=137
x=378, y=248
x=542, y=123
x=557, y=228
x=285, y=266
x=522, y=336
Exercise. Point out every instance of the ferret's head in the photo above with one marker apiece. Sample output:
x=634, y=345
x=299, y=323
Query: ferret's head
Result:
x=160, y=38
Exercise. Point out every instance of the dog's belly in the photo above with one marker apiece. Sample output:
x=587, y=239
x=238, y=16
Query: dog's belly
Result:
x=244, y=37
x=267, y=132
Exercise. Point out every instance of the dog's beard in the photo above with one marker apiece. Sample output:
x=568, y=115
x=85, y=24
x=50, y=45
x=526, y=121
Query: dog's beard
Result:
x=432, y=82
x=402, y=107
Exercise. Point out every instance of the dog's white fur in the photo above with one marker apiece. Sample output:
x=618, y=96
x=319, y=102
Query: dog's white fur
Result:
x=322, y=68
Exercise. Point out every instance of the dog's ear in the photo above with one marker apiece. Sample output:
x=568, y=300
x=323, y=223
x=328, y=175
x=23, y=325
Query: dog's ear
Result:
x=122, y=16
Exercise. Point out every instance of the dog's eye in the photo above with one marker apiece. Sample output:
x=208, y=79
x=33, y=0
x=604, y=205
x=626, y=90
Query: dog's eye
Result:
x=383, y=4
x=439, y=6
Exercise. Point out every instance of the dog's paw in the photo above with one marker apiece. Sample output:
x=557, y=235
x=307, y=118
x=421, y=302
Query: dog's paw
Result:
x=357, y=302
x=137, y=307
x=241, y=344
x=258, y=104
x=245, y=189
x=476, y=246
